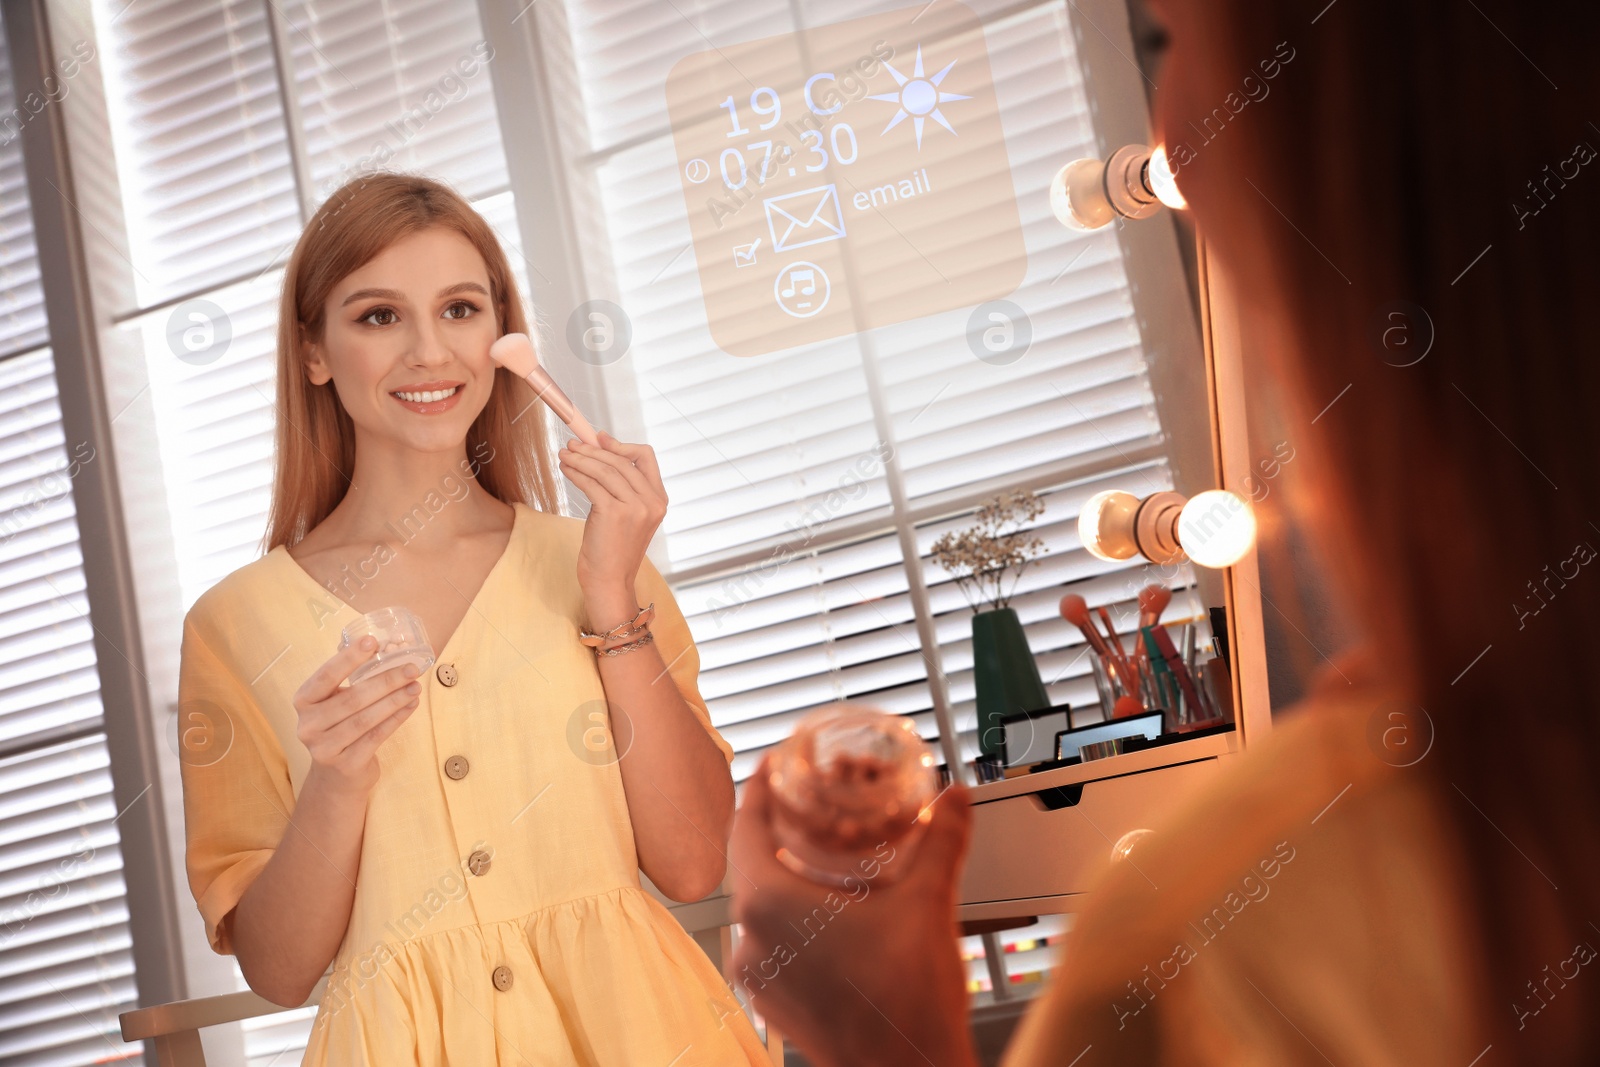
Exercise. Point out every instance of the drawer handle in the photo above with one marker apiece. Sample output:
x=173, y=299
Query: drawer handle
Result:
x=1057, y=797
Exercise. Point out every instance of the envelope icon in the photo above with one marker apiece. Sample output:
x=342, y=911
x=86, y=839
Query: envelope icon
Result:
x=808, y=217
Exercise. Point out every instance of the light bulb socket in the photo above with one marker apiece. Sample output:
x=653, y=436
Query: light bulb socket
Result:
x=1127, y=183
x=1155, y=527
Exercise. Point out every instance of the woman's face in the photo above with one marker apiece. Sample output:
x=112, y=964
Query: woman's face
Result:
x=406, y=341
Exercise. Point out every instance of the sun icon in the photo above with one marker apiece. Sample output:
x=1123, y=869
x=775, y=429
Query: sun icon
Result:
x=919, y=97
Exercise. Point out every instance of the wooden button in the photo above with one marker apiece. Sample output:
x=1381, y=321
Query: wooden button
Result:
x=456, y=767
x=478, y=862
x=502, y=978
x=447, y=674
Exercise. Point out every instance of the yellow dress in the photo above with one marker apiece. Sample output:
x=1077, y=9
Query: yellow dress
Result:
x=551, y=955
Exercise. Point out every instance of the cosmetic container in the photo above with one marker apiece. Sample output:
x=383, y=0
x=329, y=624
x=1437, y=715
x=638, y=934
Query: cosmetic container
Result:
x=850, y=795
x=401, y=640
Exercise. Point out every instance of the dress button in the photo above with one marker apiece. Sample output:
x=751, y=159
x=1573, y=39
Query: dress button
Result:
x=478, y=862
x=456, y=767
x=447, y=674
x=502, y=978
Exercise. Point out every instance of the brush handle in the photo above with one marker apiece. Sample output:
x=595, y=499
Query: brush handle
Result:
x=562, y=405
x=1130, y=677
x=1169, y=652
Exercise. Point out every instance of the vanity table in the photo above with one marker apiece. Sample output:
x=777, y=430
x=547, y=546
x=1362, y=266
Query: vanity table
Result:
x=1037, y=839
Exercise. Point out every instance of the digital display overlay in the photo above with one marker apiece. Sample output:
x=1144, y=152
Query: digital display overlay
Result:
x=845, y=177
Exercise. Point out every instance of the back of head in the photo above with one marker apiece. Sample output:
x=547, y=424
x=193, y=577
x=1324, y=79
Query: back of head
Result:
x=1443, y=155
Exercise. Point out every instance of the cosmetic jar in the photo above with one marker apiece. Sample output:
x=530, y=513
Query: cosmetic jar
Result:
x=401, y=640
x=851, y=790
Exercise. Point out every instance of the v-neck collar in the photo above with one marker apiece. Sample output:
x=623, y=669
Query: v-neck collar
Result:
x=517, y=524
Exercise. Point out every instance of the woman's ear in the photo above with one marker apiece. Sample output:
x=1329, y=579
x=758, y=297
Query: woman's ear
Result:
x=316, y=367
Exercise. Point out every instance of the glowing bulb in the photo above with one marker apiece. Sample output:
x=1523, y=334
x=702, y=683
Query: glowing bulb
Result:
x=1105, y=525
x=1162, y=180
x=1216, y=528
x=1078, y=195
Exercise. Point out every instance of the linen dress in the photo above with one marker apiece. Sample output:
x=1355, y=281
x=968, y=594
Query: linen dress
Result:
x=498, y=914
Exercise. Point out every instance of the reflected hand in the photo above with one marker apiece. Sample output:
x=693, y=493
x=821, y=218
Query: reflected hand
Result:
x=343, y=726
x=627, y=503
x=867, y=973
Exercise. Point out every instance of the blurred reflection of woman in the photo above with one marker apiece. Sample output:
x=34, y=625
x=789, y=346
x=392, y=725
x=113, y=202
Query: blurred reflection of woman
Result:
x=463, y=846
x=1404, y=871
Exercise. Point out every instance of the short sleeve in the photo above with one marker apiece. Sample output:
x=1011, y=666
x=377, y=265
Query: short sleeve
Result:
x=676, y=644
x=236, y=787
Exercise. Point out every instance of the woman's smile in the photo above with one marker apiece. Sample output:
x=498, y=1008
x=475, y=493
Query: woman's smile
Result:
x=431, y=398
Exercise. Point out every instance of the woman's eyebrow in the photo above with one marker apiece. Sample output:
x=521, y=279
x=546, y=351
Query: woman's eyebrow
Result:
x=399, y=297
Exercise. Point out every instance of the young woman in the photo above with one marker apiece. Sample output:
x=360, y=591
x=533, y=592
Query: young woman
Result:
x=1405, y=871
x=462, y=845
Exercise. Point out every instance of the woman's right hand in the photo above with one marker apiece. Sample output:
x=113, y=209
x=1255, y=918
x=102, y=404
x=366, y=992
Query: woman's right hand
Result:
x=343, y=727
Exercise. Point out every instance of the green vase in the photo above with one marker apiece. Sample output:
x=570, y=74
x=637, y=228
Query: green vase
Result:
x=1007, y=677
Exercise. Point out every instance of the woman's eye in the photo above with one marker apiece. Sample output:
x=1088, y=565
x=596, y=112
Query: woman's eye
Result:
x=469, y=305
x=376, y=311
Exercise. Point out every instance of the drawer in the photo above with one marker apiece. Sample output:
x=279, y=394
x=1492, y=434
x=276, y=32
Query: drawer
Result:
x=1052, y=842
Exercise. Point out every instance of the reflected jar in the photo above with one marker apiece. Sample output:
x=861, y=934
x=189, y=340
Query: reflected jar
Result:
x=401, y=640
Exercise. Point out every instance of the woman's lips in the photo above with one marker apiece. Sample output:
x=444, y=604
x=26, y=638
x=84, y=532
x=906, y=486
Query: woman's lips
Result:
x=432, y=407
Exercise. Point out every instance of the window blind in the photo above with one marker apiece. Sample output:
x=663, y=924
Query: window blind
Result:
x=22, y=324
x=66, y=955
x=782, y=536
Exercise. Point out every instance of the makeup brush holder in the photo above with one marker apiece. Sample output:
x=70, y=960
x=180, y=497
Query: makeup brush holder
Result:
x=401, y=640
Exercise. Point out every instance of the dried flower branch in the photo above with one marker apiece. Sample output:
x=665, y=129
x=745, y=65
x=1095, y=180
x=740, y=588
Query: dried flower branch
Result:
x=982, y=555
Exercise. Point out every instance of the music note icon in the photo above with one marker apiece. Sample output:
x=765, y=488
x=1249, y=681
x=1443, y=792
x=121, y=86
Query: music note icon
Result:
x=811, y=283
x=796, y=297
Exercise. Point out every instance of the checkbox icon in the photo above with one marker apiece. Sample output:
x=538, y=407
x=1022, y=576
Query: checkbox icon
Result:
x=745, y=255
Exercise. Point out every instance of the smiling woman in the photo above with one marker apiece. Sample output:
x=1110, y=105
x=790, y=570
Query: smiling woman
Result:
x=391, y=302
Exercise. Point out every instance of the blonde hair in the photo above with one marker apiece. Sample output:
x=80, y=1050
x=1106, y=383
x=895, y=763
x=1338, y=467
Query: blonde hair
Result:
x=314, y=440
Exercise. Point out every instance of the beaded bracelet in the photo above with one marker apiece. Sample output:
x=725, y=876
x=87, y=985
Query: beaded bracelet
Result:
x=627, y=629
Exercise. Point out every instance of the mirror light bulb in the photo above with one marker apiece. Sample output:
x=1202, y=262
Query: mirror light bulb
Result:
x=1216, y=528
x=1078, y=196
x=1105, y=525
x=1163, y=182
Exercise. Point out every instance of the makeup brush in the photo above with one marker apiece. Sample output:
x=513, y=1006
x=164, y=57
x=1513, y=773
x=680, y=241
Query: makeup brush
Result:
x=1153, y=600
x=515, y=353
x=1114, y=640
x=1076, y=611
x=1180, y=673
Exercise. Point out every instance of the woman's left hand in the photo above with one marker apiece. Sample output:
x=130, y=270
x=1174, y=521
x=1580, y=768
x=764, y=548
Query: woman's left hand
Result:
x=627, y=503
x=868, y=973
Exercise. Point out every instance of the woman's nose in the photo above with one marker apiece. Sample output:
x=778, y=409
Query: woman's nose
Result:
x=428, y=347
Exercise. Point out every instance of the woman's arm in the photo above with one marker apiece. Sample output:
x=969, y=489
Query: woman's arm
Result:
x=679, y=789
x=288, y=924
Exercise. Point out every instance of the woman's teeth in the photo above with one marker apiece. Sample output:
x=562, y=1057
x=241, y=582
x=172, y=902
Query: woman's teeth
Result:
x=428, y=397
